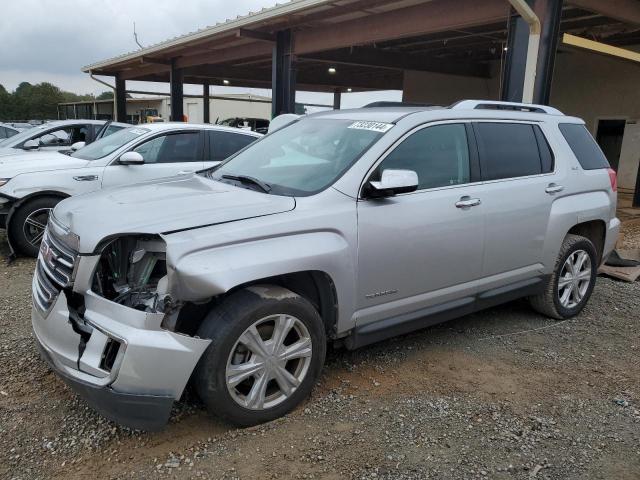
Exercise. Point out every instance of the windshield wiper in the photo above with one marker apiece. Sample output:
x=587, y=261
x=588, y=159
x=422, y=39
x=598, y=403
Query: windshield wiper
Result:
x=265, y=187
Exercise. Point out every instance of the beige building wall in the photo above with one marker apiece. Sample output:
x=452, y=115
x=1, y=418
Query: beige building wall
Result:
x=443, y=89
x=221, y=109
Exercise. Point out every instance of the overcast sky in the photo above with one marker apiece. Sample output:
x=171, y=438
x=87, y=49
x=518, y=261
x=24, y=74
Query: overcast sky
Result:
x=51, y=40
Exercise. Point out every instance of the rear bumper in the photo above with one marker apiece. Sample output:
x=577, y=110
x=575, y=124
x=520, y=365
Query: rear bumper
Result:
x=144, y=412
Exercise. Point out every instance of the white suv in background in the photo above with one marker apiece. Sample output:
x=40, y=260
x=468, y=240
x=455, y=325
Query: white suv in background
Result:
x=31, y=185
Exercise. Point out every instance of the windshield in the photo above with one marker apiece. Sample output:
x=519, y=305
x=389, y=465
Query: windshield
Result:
x=25, y=135
x=107, y=145
x=304, y=157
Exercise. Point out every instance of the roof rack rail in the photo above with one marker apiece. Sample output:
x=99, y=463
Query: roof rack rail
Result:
x=384, y=103
x=496, y=105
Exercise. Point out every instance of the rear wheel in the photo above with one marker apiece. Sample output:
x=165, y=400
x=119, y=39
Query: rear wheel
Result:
x=572, y=281
x=28, y=223
x=267, y=350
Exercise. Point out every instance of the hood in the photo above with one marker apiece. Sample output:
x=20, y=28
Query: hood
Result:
x=28, y=162
x=176, y=203
x=8, y=151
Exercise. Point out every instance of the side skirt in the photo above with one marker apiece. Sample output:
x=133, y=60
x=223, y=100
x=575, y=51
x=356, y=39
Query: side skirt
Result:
x=426, y=317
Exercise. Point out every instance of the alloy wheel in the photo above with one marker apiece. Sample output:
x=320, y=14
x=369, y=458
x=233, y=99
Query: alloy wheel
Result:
x=269, y=362
x=574, y=279
x=34, y=226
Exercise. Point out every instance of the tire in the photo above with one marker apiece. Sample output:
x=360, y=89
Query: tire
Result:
x=553, y=302
x=25, y=236
x=267, y=308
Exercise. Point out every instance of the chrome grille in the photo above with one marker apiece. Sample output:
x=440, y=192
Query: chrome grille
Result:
x=55, y=269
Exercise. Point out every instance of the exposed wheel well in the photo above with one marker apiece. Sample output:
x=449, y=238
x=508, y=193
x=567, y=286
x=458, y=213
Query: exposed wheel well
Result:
x=315, y=286
x=595, y=231
x=20, y=202
x=32, y=196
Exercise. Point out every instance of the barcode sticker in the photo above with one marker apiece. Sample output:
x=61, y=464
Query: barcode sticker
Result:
x=373, y=126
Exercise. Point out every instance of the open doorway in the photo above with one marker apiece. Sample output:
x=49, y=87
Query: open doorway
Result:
x=609, y=136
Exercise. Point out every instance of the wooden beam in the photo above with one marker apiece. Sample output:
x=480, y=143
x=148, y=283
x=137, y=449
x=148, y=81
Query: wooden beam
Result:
x=141, y=71
x=156, y=61
x=255, y=35
x=372, y=57
x=625, y=11
x=226, y=55
x=376, y=80
x=434, y=16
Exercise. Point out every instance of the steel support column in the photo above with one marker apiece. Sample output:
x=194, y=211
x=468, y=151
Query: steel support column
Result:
x=176, y=79
x=336, y=99
x=120, y=115
x=283, y=75
x=516, y=59
x=550, y=13
x=206, y=112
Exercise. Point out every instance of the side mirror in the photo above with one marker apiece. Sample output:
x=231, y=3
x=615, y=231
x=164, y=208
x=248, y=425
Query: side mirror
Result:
x=78, y=146
x=31, y=145
x=393, y=182
x=131, y=158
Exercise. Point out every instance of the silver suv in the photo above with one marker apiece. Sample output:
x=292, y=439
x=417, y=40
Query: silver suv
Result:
x=346, y=227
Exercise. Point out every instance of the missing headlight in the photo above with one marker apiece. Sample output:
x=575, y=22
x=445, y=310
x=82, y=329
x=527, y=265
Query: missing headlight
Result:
x=132, y=271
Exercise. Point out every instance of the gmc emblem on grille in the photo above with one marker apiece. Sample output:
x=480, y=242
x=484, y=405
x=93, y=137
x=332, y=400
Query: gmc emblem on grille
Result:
x=47, y=254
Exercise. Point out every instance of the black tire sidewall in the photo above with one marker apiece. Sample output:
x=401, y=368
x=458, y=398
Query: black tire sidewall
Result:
x=15, y=228
x=587, y=246
x=224, y=326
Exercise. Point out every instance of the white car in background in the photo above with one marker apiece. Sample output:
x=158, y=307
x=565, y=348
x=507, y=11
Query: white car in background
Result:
x=53, y=136
x=7, y=131
x=31, y=185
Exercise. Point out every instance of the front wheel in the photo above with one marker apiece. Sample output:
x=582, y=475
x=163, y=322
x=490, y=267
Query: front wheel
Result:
x=28, y=223
x=267, y=350
x=572, y=281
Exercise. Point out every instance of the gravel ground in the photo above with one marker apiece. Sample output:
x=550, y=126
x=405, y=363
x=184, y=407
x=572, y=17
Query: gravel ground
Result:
x=504, y=394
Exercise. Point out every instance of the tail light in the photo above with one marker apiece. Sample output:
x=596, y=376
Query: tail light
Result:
x=613, y=178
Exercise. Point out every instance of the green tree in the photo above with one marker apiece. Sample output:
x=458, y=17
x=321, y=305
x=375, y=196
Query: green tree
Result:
x=105, y=96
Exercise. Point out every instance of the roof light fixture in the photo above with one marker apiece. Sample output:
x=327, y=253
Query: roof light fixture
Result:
x=332, y=70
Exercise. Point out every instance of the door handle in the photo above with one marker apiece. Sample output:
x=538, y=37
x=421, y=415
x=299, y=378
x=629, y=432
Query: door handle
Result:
x=184, y=172
x=466, y=202
x=553, y=188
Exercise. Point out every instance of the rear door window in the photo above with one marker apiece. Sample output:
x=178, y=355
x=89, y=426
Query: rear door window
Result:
x=583, y=146
x=225, y=144
x=509, y=150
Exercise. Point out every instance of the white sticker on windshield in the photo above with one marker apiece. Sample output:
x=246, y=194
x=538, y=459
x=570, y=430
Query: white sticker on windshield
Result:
x=373, y=126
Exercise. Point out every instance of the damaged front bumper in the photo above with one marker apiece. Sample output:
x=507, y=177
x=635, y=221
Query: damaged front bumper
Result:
x=120, y=360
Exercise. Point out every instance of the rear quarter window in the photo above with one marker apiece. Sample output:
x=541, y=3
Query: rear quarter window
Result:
x=583, y=146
